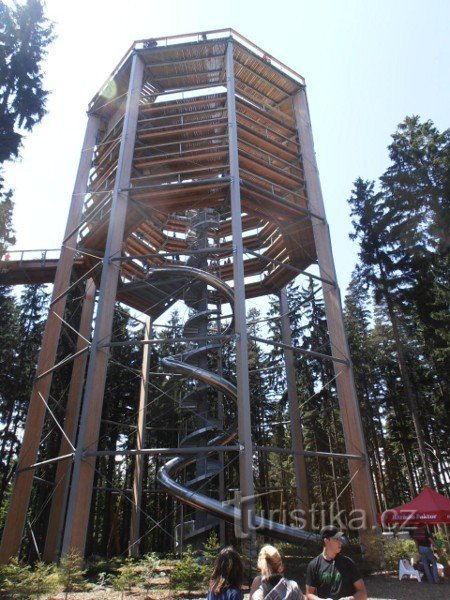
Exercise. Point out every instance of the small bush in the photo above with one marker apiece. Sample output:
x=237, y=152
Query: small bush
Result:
x=395, y=549
x=71, y=574
x=188, y=574
x=148, y=564
x=127, y=576
x=14, y=578
x=22, y=581
x=96, y=565
x=443, y=549
x=211, y=549
x=43, y=579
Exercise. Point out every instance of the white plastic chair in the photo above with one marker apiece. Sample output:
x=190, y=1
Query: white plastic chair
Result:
x=405, y=569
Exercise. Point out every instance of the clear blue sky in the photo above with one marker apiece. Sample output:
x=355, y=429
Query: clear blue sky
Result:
x=367, y=65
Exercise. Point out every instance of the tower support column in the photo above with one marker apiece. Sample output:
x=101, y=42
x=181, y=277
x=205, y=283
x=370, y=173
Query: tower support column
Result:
x=20, y=497
x=242, y=378
x=62, y=477
x=140, y=443
x=77, y=519
x=351, y=419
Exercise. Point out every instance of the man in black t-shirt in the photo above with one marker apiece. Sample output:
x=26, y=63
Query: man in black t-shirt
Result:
x=332, y=576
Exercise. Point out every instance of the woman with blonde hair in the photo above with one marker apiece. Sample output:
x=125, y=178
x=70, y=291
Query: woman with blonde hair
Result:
x=226, y=577
x=272, y=584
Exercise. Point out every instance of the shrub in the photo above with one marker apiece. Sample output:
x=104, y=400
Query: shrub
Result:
x=97, y=565
x=395, y=549
x=148, y=565
x=71, y=574
x=211, y=549
x=188, y=574
x=14, y=578
x=127, y=576
x=43, y=579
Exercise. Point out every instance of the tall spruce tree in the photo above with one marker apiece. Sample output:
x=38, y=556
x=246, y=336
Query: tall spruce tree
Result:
x=7, y=237
x=380, y=270
x=373, y=363
x=9, y=334
x=403, y=234
x=25, y=34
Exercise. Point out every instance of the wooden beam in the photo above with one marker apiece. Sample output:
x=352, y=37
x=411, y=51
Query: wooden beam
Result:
x=59, y=499
x=351, y=419
x=140, y=444
x=15, y=520
x=242, y=376
x=83, y=470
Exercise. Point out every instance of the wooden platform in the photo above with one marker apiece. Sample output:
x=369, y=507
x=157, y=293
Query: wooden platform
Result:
x=181, y=162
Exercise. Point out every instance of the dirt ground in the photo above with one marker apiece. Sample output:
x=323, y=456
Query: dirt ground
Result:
x=382, y=587
x=379, y=587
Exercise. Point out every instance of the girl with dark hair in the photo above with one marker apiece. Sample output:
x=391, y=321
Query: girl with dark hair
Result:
x=226, y=577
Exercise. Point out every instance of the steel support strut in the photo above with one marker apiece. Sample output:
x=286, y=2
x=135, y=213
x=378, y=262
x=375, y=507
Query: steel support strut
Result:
x=351, y=420
x=140, y=443
x=242, y=377
x=15, y=520
x=83, y=471
x=59, y=500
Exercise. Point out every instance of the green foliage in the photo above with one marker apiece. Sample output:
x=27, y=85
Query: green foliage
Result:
x=101, y=565
x=23, y=581
x=42, y=579
x=401, y=348
x=102, y=582
x=21, y=327
x=6, y=214
x=24, y=37
x=148, y=564
x=14, y=578
x=395, y=549
x=127, y=576
x=442, y=546
x=71, y=573
x=188, y=574
x=211, y=548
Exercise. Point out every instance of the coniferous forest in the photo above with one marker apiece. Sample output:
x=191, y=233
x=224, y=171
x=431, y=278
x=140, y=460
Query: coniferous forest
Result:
x=397, y=315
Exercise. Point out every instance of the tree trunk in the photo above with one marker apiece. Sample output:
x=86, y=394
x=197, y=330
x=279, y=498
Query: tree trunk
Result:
x=404, y=374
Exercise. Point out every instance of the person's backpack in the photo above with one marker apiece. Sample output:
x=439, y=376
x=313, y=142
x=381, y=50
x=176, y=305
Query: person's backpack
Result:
x=285, y=589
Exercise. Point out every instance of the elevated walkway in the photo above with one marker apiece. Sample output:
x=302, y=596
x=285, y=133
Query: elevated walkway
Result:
x=23, y=267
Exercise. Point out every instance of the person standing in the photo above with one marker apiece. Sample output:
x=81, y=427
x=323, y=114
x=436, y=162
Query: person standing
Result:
x=226, y=577
x=272, y=584
x=332, y=576
x=424, y=543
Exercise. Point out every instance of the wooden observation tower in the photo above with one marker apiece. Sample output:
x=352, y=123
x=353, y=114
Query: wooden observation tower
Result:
x=198, y=183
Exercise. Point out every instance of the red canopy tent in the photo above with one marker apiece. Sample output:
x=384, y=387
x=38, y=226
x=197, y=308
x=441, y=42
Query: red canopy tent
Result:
x=428, y=507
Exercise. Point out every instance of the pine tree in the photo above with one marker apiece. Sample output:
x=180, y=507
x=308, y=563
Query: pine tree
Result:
x=9, y=334
x=21, y=335
x=24, y=37
x=403, y=234
x=379, y=270
x=71, y=573
x=6, y=211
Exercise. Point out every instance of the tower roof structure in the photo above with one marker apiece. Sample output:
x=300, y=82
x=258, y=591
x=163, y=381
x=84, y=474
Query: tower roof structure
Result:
x=181, y=161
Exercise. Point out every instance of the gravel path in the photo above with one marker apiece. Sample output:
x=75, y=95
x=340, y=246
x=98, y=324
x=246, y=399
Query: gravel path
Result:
x=379, y=587
x=382, y=587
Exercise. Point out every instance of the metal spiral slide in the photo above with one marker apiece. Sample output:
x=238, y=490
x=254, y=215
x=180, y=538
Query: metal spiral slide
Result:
x=180, y=364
